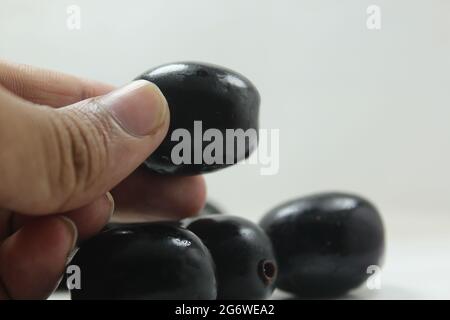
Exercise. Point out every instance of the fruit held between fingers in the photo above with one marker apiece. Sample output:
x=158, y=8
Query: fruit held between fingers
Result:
x=205, y=101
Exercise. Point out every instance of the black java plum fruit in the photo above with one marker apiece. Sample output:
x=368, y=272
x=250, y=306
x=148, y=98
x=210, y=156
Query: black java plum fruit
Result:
x=209, y=107
x=325, y=244
x=245, y=262
x=145, y=261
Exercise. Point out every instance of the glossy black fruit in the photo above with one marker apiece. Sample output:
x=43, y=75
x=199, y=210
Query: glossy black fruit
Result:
x=218, y=97
x=145, y=261
x=325, y=243
x=210, y=208
x=242, y=252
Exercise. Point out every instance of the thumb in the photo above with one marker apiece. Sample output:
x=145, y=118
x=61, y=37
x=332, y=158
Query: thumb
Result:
x=54, y=160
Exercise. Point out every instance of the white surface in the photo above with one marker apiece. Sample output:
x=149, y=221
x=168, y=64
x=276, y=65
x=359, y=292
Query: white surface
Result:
x=359, y=110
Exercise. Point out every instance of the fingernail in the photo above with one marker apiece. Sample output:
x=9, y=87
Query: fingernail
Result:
x=140, y=108
x=72, y=230
x=111, y=200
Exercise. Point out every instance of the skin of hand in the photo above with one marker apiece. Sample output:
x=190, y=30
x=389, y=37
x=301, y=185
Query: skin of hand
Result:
x=68, y=146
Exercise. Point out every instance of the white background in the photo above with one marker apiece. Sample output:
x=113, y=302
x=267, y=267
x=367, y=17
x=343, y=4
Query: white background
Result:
x=358, y=110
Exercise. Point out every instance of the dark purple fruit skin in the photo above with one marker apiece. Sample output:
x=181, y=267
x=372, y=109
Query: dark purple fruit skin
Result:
x=220, y=98
x=324, y=243
x=238, y=248
x=145, y=261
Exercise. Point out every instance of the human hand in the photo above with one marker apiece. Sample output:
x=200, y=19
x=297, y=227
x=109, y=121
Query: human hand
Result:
x=64, y=143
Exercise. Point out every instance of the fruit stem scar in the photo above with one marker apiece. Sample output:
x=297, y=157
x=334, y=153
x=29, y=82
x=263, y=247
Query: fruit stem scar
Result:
x=267, y=270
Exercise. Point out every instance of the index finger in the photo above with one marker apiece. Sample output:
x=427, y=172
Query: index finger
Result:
x=51, y=88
